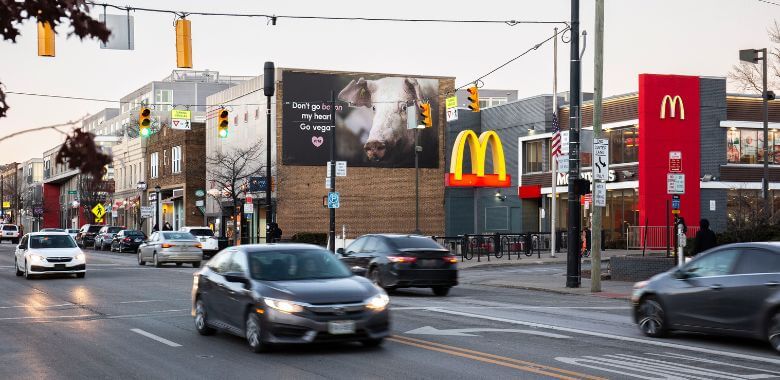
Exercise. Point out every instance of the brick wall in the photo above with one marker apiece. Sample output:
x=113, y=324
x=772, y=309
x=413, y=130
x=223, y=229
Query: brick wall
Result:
x=373, y=200
x=637, y=268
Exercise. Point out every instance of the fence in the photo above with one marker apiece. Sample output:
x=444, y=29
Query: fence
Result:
x=496, y=245
x=654, y=237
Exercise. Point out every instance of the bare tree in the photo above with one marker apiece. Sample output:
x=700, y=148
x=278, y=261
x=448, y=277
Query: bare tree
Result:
x=747, y=76
x=230, y=170
x=91, y=193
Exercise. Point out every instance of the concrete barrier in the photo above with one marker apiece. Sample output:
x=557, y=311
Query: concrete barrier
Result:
x=638, y=268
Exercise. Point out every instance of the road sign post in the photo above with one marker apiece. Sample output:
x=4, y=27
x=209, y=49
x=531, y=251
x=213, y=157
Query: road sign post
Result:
x=601, y=159
x=334, y=200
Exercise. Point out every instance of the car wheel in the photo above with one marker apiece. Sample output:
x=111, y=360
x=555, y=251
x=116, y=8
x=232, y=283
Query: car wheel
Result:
x=651, y=318
x=773, y=331
x=441, y=291
x=372, y=342
x=373, y=275
x=201, y=321
x=16, y=266
x=196, y=264
x=81, y=275
x=157, y=262
x=27, y=274
x=254, y=333
x=140, y=261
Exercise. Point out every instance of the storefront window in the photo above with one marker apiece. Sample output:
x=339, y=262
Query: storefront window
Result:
x=744, y=207
x=623, y=145
x=533, y=153
x=746, y=146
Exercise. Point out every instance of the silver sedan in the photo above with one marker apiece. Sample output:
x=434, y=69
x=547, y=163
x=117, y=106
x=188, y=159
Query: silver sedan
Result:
x=171, y=247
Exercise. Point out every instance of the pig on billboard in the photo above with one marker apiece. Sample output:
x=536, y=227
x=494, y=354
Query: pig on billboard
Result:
x=371, y=119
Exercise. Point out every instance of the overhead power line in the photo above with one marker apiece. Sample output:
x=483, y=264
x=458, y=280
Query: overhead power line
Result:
x=770, y=2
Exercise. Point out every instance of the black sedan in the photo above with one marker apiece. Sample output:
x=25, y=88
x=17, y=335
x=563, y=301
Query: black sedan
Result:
x=402, y=261
x=732, y=290
x=127, y=240
x=287, y=293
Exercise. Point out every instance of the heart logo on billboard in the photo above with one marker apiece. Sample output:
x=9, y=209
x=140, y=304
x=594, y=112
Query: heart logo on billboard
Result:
x=317, y=140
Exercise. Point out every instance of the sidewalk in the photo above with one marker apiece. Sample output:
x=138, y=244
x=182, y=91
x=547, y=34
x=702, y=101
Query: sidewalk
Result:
x=560, y=258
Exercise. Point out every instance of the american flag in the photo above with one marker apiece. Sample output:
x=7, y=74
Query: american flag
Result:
x=555, y=147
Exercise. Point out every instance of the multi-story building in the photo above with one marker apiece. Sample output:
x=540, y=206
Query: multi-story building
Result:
x=9, y=192
x=31, y=192
x=129, y=179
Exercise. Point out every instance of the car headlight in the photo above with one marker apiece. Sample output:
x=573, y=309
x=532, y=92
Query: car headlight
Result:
x=378, y=302
x=283, y=306
x=640, y=284
x=36, y=258
x=81, y=257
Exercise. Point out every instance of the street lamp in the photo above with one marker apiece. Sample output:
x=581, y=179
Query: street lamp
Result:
x=157, y=207
x=141, y=186
x=751, y=55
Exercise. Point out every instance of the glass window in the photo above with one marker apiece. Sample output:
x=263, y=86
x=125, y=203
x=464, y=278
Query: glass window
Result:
x=533, y=153
x=52, y=241
x=748, y=144
x=403, y=242
x=371, y=245
x=718, y=263
x=178, y=236
x=237, y=263
x=295, y=264
x=758, y=261
x=202, y=232
x=221, y=261
x=154, y=162
x=176, y=159
x=356, y=245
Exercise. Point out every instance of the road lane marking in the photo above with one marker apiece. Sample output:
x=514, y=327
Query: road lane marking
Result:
x=522, y=365
x=518, y=307
x=430, y=330
x=155, y=337
x=36, y=307
x=50, y=317
x=611, y=336
x=703, y=360
x=149, y=314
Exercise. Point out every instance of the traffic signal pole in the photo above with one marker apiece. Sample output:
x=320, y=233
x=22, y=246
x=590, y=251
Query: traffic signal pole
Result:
x=573, y=246
x=268, y=91
x=332, y=164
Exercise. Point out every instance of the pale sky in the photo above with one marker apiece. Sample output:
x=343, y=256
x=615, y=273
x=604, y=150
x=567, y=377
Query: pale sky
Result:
x=694, y=37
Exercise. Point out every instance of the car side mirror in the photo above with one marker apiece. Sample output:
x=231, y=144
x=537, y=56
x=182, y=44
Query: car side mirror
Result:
x=340, y=251
x=20, y=247
x=236, y=277
x=681, y=274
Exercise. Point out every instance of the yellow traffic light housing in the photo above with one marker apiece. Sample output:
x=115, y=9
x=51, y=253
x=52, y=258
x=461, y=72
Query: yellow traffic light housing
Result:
x=222, y=123
x=473, y=98
x=183, y=44
x=145, y=122
x=425, y=115
x=45, y=39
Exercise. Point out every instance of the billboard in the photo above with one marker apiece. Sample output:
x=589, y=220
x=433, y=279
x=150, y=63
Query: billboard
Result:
x=371, y=119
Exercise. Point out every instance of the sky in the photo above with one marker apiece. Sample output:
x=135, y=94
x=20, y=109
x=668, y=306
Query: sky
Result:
x=692, y=37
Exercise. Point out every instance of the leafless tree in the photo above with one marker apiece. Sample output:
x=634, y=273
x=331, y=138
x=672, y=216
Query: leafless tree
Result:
x=747, y=76
x=91, y=193
x=230, y=170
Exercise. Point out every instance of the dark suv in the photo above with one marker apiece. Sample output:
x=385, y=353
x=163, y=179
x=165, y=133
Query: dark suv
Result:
x=86, y=235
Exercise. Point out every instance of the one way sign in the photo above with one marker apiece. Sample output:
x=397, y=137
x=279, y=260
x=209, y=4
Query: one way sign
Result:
x=601, y=159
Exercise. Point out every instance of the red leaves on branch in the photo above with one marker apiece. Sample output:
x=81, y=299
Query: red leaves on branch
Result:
x=80, y=152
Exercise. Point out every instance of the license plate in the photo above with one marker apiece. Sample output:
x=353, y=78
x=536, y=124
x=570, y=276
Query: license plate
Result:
x=59, y=266
x=429, y=263
x=341, y=327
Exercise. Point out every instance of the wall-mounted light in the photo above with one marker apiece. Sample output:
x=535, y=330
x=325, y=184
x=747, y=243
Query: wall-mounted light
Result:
x=627, y=174
x=499, y=196
x=707, y=178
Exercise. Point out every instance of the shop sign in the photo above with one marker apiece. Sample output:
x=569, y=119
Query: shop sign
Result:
x=563, y=178
x=146, y=211
x=675, y=161
x=478, y=148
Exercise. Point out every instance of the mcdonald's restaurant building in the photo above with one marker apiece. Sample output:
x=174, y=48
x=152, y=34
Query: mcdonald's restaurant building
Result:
x=714, y=139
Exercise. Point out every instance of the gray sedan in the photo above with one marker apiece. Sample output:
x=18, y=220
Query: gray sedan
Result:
x=732, y=290
x=171, y=247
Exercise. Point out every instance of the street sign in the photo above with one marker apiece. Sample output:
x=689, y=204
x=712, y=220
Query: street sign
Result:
x=6, y=204
x=99, y=211
x=601, y=159
x=675, y=161
x=675, y=202
x=327, y=183
x=333, y=200
x=341, y=168
x=258, y=184
x=180, y=119
x=199, y=203
x=600, y=194
x=451, y=102
x=146, y=211
x=563, y=163
x=249, y=208
x=451, y=105
x=565, y=143
x=411, y=117
x=152, y=197
x=249, y=199
x=675, y=183
x=200, y=193
x=72, y=192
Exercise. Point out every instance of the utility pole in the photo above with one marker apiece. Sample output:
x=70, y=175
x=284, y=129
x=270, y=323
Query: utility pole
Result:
x=598, y=78
x=2, y=195
x=573, y=246
x=417, y=149
x=765, y=111
x=332, y=163
x=268, y=91
x=554, y=159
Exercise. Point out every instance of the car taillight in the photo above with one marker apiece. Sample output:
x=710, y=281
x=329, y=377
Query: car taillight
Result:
x=401, y=259
x=450, y=259
x=198, y=245
x=127, y=239
x=167, y=245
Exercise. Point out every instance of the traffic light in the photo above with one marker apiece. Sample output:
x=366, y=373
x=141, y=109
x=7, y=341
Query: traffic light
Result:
x=183, y=44
x=45, y=40
x=473, y=98
x=145, y=122
x=425, y=114
x=222, y=123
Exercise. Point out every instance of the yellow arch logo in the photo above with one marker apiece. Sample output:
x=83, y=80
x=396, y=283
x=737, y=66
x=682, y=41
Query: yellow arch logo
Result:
x=478, y=149
x=672, y=106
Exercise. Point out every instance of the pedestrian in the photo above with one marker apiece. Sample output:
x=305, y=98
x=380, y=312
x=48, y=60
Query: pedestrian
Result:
x=167, y=227
x=705, y=238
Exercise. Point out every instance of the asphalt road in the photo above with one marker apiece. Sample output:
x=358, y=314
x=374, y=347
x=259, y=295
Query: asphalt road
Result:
x=125, y=321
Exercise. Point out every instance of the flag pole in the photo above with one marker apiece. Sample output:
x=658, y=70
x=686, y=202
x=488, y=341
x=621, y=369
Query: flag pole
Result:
x=553, y=158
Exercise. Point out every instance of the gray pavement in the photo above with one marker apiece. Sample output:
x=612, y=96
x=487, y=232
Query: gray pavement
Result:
x=125, y=321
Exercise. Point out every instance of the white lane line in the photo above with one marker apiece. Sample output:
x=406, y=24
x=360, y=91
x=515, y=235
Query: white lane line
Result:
x=35, y=307
x=140, y=301
x=150, y=314
x=517, y=307
x=155, y=337
x=51, y=317
x=611, y=336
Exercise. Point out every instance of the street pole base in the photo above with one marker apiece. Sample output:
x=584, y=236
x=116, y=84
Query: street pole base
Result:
x=572, y=282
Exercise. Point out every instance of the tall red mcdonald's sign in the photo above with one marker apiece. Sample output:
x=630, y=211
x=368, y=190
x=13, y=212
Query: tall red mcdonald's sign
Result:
x=669, y=120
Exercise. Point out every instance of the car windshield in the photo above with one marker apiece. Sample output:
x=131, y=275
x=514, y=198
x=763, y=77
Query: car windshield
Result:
x=73, y=231
x=299, y=264
x=178, y=236
x=52, y=230
x=202, y=232
x=405, y=242
x=51, y=241
x=133, y=233
x=113, y=230
x=94, y=229
x=9, y=227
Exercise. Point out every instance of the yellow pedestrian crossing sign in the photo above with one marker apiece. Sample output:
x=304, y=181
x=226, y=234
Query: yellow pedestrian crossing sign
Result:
x=99, y=211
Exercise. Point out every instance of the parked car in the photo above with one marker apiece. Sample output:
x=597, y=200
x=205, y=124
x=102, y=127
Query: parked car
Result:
x=127, y=240
x=287, y=293
x=402, y=261
x=732, y=289
x=171, y=247
x=10, y=232
x=42, y=253
x=104, y=237
x=206, y=237
x=86, y=235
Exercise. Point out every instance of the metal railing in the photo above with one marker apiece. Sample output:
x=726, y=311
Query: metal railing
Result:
x=654, y=237
x=496, y=245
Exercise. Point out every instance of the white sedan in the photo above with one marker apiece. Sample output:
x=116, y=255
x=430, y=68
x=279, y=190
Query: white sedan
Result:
x=41, y=253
